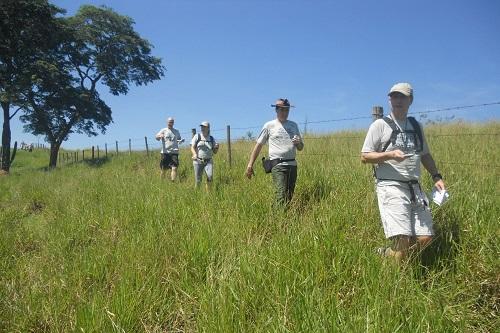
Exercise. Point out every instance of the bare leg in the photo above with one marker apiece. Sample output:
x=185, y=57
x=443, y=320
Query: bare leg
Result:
x=399, y=250
x=173, y=174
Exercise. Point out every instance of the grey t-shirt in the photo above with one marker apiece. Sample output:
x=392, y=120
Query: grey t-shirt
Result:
x=379, y=133
x=280, y=137
x=205, y=145
x=169, y=143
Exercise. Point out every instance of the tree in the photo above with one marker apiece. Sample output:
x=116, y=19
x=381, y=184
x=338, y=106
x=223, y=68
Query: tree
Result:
x=26, y=29
x=99, y=45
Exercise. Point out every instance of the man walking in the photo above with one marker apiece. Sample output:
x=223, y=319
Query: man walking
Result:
x=170, y=139
x=396, y=145
x=284, y=140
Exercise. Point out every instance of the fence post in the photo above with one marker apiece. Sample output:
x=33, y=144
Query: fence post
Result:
x=129, y=147
x=377, y=112
x=83, y=154
x=92, y=153
x=193, y=132
x=147, y=148
x=229, y=144
x=106, y=149
x=97, y=151
x=116, y=142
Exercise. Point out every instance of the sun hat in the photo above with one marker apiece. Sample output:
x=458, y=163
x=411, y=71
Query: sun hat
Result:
x=402, y=87
x=205, y=124
x=282, y=103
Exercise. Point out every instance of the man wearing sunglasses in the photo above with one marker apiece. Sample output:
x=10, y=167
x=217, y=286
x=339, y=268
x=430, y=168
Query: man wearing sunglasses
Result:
x=284, y=140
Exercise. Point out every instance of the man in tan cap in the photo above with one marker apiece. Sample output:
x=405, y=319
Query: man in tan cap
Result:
x=170, y=139
x=284, y=140
x=396, y=146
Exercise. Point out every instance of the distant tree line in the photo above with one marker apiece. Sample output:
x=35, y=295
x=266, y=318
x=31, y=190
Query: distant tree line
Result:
x=52, y=65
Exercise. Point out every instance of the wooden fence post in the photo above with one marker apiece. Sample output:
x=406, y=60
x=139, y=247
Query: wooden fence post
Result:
x=116, y=142
x=147, y=148
x=377, y=112
x=93, y=153
x=229, y=144
x=83, y=154
x=97, y=151
x=129, y=147
x=106, y=149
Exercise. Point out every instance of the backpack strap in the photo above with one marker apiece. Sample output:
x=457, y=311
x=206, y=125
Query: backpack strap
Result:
x=414, y=123
x=394, y=134
x=198, y=139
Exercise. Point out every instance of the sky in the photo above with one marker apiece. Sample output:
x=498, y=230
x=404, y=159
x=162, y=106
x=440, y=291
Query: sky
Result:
x=228, y=60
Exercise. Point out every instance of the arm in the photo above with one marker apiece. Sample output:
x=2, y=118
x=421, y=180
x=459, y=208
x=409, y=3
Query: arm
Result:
x=430, y=166
x=159, y=136
x=253, y=157
x=194, y=154
x=375, y=157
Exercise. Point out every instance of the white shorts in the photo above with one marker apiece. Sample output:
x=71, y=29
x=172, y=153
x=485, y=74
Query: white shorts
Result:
x=401, y=216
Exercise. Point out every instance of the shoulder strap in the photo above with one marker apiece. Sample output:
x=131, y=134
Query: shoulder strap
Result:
x=198, y=139
x=418, y=130
x=394, y=134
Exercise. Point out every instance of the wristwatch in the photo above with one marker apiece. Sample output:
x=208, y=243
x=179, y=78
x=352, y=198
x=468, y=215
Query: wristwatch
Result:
x=436, y=177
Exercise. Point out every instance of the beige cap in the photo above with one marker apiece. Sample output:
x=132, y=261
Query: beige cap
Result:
x=404, y=88
x=205, y=124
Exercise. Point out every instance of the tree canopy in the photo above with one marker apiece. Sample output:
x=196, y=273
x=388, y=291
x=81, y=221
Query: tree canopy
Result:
x=96, y=45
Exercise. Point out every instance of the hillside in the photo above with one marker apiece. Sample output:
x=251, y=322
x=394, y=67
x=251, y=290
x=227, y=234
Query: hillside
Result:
x=106, y=246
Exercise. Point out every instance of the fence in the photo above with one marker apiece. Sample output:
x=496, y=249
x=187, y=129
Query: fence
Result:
x=130, y=145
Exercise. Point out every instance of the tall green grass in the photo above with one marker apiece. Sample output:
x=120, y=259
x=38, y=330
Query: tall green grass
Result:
x=109, y=247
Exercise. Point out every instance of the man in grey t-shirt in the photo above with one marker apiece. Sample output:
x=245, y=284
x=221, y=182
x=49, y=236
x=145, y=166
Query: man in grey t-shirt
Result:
x=284, y=139
x=170, y=139
x=396, y=146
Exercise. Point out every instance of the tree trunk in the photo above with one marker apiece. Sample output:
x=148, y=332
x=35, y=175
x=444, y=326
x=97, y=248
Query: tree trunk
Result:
x=6, y=137
x=54, y=151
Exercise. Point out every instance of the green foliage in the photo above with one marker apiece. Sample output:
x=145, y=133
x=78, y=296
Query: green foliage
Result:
x=108, y=246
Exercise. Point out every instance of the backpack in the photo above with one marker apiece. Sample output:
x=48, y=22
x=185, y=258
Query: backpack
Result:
x=198, y=139
x=395, y=131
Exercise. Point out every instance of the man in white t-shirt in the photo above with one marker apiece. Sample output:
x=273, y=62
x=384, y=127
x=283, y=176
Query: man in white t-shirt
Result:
x=284, y=140
x=170, y=139
x=396, y=146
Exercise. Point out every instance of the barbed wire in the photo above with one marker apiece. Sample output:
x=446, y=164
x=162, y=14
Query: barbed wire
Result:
x=187, y=133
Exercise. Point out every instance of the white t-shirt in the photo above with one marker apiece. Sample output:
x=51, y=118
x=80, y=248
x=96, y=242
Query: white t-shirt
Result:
x=379, y=133
x=169, y=142
x=205, y=145
x=280, y=137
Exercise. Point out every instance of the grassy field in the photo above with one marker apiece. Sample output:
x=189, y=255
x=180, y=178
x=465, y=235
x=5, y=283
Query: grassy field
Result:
x=109, y=247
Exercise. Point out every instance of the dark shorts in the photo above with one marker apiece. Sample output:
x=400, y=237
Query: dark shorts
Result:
x=169, y=160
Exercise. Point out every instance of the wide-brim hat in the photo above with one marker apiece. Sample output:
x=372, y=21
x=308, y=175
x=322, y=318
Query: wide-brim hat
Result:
x=282, y=103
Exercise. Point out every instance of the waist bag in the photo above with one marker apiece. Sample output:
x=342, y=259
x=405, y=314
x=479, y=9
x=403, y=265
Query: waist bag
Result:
x=268, y=164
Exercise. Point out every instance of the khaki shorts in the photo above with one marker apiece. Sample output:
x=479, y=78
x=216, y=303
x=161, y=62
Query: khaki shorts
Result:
x=402, y=216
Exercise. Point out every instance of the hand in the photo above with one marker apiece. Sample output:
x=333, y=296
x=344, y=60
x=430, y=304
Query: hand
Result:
x=216, y=146
x=397, y=155
x=194, y=157
x=296, y=140
x=440, y=185
x=249, y=172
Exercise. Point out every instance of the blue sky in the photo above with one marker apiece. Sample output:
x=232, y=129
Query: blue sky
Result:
x=227, y=61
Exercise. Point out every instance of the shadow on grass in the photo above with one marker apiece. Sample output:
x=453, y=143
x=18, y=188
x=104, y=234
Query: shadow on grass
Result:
x=96, y=162
x=310, y=194
x=443, y=250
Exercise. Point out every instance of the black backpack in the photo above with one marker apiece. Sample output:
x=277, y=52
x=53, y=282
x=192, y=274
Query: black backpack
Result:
x=395, y=131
